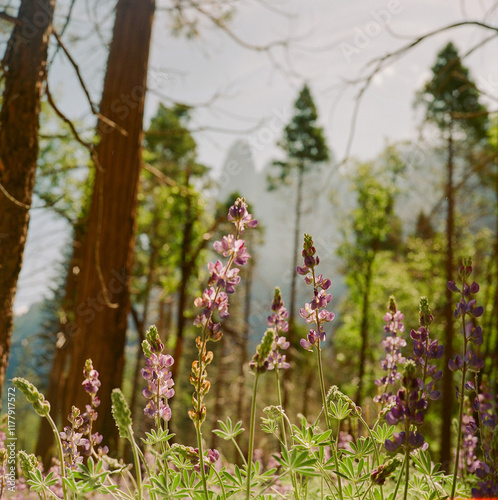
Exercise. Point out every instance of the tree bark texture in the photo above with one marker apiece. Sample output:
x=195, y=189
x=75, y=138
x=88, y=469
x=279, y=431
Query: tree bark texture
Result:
x=102, y=297
x=24, y=66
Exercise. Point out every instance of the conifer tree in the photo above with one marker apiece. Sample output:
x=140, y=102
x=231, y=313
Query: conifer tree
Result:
x=304, y=145
x=451, y=101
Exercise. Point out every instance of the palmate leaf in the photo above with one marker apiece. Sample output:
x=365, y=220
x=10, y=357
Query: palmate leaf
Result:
x=382, y=433
x=39, y=483
x=156, y=437
x=297, y=462
x=362, y=448
x=228, y=431
x=339, y=410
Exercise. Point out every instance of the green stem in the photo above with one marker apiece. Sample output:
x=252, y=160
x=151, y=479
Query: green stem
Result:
x=220, y=481
x=136, y=460
x=460, y=412
x=407, y=470
x=240, y=451
x=325, y=410
x=398, y=482
x=61, y=454
x=251, y=436
x=201, y=458
x=284, y=435
x=459, y=434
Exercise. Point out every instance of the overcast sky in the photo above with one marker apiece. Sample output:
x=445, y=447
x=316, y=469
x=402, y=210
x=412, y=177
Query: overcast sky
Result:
x=327, y=44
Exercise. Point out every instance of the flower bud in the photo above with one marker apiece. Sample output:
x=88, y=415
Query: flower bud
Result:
x=121, y=413
x=33, y=395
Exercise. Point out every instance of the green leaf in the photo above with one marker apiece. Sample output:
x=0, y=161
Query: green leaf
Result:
x=157, y=437
x=228, y=430
x=382, y=433
x=298, y=462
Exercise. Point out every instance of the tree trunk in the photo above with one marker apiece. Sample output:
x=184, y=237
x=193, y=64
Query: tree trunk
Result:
x=24, y=66
x=364, y=331
x=292, y=307
x=448, y=392
x=108, y=246
x=186, y=268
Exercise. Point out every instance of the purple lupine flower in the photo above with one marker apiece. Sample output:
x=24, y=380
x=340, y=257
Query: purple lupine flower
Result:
x=412, y=399
x=486, y=470
x=159, y=386
x=314, y=311
x=91, y=384
x=222, y=281
x=159, y=379
x=239, y=215
x=278, y=321
x=392, y=344
x=72, y=440
x=469, y=311
x=468, y=460
x=408, y=410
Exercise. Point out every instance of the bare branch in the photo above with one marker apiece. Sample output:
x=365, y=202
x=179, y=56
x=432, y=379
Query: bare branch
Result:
x=381, y=62
x=10, y=19
x=84, y=87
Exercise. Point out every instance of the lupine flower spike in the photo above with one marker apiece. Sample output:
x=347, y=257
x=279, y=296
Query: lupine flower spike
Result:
x=468, y=311
x=314, y=311
x=392, y=344
x=91, y=384
x=214, y=299
x=158, y=377
x=278, y=322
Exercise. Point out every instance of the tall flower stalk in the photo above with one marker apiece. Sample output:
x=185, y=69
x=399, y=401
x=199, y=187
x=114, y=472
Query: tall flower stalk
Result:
x=392, y=344
x=258, y=365
x=315, y=312
x=222, y=281
x=466, y=310
x=412, y=399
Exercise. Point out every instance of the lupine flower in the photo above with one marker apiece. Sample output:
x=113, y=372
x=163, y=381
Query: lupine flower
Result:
x=278, y=321
x=91, y=384
x=425, y=350
x=468, y=461
x=72, y=440
x=469, y=310
x=410, y=404
x=159, y=379
x=314, y=311
x=222, y=281
x=392, y=344
x=239, y=215
x=486, y=469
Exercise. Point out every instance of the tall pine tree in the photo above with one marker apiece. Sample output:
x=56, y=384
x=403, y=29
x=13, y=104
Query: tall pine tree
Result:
x=451, y=102
x=304, y=146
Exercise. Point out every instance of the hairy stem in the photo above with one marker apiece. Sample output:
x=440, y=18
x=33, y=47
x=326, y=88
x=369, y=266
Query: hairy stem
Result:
x=251, y=436
x=325, y=410
x=136, y=460
x=61, y=454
